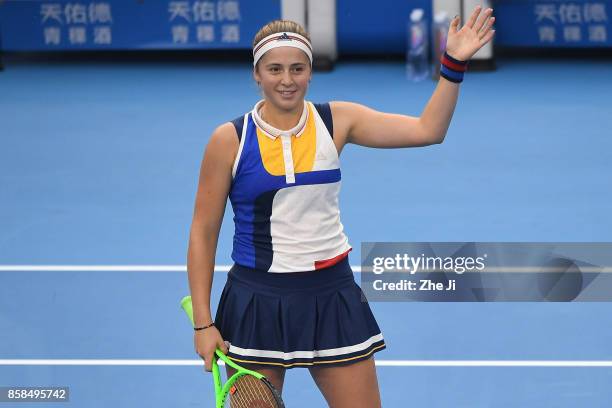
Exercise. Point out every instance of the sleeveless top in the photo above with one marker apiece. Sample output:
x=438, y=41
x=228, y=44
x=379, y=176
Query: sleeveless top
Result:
x=284, y=194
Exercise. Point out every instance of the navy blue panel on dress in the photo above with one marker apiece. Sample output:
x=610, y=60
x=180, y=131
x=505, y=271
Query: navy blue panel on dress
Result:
x=262, y=212
x=325, y=112
x=238, y=122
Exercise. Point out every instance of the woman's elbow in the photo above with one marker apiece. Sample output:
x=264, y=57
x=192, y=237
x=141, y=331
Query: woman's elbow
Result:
x=438, y=138
x=430, y=136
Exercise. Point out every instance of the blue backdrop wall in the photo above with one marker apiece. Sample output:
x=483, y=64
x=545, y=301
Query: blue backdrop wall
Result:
x=375, y=27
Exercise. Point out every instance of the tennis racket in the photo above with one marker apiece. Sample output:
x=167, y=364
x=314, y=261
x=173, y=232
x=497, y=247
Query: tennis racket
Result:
x=246, y=388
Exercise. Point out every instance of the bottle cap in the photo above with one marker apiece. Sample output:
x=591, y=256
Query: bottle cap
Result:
x=440, y=17
x=416, y=15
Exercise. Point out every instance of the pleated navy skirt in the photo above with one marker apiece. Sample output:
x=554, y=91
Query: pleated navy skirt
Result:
x=297, y=319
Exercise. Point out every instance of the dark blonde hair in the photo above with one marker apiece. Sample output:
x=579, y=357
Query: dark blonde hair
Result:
x=279, y=26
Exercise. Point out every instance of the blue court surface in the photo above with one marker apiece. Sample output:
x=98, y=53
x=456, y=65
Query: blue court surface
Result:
x=99, y=166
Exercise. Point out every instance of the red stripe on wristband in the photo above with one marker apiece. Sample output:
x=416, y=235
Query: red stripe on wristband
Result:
x=450, y=64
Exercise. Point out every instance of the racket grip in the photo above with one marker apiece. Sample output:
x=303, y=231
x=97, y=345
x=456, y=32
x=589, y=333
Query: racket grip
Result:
x=188, y=307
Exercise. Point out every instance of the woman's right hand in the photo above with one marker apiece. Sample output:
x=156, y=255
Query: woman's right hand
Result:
x=206, y=341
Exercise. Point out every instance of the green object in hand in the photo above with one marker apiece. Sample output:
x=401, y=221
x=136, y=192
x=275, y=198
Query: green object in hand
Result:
x=246, y=388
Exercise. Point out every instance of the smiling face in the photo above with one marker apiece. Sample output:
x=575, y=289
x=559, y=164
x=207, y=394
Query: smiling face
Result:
x=283, y=74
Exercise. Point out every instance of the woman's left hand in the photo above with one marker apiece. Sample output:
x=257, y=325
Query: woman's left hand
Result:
x=463, y=44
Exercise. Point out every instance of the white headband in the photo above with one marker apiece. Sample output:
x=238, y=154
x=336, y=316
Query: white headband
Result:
x=282, y=40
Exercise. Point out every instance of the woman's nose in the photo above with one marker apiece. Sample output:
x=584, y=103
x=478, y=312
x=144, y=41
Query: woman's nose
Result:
x=286, y=79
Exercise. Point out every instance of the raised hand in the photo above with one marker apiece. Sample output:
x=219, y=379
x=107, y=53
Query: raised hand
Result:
x=464, y=43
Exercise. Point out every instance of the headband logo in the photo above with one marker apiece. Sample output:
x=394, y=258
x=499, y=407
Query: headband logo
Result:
x=284, y=37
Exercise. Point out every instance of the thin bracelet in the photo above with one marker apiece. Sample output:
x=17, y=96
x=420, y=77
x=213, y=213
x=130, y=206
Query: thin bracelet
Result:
x=204, y=327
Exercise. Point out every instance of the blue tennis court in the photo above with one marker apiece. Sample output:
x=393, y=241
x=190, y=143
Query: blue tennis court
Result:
x=99, y=166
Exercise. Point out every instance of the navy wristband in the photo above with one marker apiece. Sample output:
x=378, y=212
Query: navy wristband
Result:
x=452, y=69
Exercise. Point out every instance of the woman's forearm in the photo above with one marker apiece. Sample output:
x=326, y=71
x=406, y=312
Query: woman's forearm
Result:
x=437, y=115
x=200, y=269
x=461, y=45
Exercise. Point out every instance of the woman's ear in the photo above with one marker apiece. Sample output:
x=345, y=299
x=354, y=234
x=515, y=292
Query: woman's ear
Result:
x=256, y=76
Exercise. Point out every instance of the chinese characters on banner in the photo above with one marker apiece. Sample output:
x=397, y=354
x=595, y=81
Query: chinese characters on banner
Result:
x=571, y=22
x=76, y=23
x=203, y=21
x=54, y=25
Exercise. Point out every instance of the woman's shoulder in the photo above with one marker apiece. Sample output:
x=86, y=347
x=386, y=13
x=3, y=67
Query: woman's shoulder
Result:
x=343, y=114
x=347, y=113
x=344, y=108
x=224, y=141
x=230, y=132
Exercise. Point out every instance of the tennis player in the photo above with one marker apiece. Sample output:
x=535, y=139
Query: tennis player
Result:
x=290, y=299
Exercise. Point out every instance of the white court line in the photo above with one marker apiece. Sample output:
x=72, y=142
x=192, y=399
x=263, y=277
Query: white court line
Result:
x=381, y=363
x=112, y=268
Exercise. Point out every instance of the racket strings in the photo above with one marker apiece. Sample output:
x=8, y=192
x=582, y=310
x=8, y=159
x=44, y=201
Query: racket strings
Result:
x=251, y=392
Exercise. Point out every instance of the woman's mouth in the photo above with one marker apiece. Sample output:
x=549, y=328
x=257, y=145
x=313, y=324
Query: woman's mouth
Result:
x=287, y=94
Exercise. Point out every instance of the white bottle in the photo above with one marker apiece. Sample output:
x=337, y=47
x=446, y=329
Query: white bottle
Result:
x=417, y=52
x=440, y=34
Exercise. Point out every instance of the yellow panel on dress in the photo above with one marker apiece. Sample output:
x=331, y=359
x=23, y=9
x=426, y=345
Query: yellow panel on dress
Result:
x=303, y=149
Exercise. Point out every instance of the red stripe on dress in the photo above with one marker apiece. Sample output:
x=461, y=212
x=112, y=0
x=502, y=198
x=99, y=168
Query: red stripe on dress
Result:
x=332, y=261
x=452, y=65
